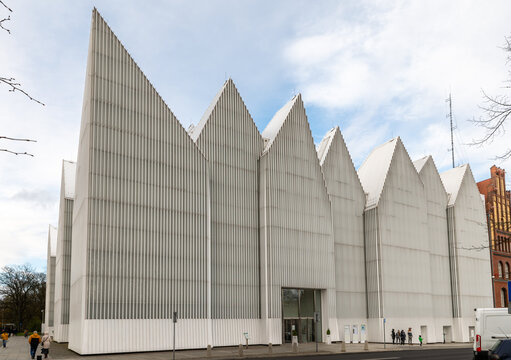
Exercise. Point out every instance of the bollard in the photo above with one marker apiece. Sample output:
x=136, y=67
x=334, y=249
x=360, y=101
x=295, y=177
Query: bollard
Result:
x=208, y=352
x=270, y=349
x=295, y=347
x=246, y=346
x=240, y=350
x=366, y=345
x=343, y=346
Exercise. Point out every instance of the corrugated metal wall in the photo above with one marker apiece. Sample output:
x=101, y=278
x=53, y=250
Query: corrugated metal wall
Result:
x=406, y=267
x=63, y=263
x=473, y=257
x=297, y=227
x=50, y=280
x=373, y=263
x=142, y=216
x=438, y=240
x=232, y=145
x=347, y=199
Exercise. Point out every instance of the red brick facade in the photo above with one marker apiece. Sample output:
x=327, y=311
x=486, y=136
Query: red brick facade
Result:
x=498, y=210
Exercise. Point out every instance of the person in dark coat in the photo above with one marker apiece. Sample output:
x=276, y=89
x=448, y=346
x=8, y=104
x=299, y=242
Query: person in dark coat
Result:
x=403, y=337
x=34, y=341
x=393, y=335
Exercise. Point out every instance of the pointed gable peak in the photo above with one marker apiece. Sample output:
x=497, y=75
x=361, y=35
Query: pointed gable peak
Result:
x=326, y=143
x=227, y=88
x=452, y=180
x=419, y=163
x=373, y=172
x=272, y=129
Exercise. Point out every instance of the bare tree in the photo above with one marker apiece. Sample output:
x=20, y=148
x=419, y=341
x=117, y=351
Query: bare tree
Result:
x=13, y=86
x=496, y=111
x=20, y=291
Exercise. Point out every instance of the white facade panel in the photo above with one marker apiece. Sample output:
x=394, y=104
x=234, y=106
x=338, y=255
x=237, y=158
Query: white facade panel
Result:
x=397, y=248
x=438, y=246
x=232, y=145
x=470, y=257
x=140, y=221
x=63, y=258
x=50, y=280
x=296, y=228
x=347, y=201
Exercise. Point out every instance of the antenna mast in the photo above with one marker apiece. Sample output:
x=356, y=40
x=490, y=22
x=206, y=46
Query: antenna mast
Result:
x=449, y=100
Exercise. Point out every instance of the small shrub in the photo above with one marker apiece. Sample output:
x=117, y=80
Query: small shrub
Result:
x=328, y=331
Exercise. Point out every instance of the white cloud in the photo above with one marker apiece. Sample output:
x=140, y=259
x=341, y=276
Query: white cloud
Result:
x=397, y=63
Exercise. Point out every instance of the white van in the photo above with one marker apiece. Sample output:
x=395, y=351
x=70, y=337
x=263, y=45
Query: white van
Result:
x=491, y=325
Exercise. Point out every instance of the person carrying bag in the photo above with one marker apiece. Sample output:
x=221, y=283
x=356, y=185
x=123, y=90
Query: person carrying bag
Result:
x=45, y=342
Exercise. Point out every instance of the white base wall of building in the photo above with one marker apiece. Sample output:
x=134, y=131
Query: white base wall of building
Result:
x=437, y=333
x=230, y=332
x=61, y=334
x=427, y=327
x=461, y=329
x=345, y=330
x=106, y=336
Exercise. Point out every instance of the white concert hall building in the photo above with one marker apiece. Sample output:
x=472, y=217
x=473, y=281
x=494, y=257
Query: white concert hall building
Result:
x=241, y=232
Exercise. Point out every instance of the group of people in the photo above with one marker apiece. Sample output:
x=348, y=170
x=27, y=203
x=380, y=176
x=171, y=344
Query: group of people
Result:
x=399, y=337
x=34, y=340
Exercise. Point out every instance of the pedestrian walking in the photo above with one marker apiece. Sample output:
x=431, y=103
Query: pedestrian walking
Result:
x=45, y=343
x=420, y=339
x=393, y=335
x=5, y=337
x=34, y=341
x=403, y=337
x=26, y=333
x=410, y=336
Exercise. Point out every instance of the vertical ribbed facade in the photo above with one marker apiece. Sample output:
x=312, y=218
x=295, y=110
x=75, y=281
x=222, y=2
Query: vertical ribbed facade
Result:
x=438, y=243
x=470, y=257
x=347, y=200
x=399, y=247
x=232, y=145
x=63, y=259
x=140, y=214
x=50, y=280
x=296, y=226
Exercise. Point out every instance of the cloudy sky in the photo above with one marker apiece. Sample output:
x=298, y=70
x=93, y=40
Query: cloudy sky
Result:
x=378, y=69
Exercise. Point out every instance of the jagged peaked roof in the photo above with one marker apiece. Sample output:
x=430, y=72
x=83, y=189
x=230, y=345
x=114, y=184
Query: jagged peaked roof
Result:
x=325, y=144
x=419, y=164
x=196, y=130
x=373, y=172
x=52, y=240
x=452, y=180
x=69, y=170
x=272, y=129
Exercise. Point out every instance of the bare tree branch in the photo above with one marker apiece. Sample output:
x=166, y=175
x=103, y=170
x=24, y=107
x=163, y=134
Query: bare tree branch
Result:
x=496, y=111
x=8, y=18
x=8, y=8
x=17, y=153
x=15, y=86
x=16, y=139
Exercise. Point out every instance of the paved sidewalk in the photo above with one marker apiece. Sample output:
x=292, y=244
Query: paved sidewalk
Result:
x=18, y=349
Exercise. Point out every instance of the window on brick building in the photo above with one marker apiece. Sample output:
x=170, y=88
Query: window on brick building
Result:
x=503, y=297
x=499, y=266
x=506, y=273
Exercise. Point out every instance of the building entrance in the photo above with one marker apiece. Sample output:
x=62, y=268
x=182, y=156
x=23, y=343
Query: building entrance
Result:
x=298, y=307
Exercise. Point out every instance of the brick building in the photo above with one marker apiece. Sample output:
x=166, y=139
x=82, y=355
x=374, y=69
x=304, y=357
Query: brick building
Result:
x=498, y=210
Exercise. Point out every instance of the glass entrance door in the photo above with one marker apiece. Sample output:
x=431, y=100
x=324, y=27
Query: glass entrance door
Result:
x=298, y=307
